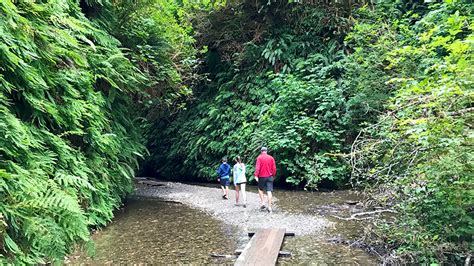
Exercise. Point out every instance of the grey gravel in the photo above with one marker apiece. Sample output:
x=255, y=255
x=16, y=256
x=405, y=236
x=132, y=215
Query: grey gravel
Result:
x=210, y=200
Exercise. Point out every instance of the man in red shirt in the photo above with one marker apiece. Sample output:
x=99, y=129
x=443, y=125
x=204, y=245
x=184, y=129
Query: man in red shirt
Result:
x=265, y=171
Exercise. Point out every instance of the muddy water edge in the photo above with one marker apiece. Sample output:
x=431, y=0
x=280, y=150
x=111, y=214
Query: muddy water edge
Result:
x=154, y=231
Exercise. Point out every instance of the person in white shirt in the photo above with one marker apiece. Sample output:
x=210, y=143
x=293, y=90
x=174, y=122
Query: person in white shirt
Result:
x=239, y=180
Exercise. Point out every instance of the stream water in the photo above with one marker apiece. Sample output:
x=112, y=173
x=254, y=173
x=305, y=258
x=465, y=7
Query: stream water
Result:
x=153, y=231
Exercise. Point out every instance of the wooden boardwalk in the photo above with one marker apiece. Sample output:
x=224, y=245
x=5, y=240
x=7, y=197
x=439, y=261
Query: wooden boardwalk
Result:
x=263, y=248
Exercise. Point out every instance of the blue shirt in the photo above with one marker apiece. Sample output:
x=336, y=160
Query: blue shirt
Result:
x=224, y=171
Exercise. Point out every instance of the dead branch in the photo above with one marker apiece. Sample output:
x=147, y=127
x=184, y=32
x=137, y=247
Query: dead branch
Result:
x=460, y=112
x=356, y=215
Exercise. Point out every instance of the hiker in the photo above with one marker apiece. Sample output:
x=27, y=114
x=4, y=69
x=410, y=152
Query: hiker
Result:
x=239, y=180
x=224, y=177
x=265, y=171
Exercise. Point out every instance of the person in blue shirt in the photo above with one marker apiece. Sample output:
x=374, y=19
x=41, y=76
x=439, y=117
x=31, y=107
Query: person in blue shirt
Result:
x=223, y=174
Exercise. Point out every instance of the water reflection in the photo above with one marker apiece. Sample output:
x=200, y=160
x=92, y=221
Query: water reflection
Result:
x=315, y=249
x=155, y=232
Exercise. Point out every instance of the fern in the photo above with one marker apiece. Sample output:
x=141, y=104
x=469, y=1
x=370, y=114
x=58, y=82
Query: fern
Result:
x=66, y=152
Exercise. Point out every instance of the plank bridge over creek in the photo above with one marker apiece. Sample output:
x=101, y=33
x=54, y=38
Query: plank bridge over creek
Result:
x=263, y=248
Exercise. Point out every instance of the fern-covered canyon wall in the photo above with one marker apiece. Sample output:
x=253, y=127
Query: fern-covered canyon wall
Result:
x=73, y=86
x=68, y=139
x=275, y=78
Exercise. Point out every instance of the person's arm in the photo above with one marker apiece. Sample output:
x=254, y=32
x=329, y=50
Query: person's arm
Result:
x=229, y=170
x=234, y=172
x=219, y=173
x=257, y=169
x=274, y=168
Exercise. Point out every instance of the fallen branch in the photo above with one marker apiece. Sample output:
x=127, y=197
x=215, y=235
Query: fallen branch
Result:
x=215, y=255
x=460, y=112
x=281, y=253
x=373, y=212
x=356, y=215
x=150, y=183
x=351, y=218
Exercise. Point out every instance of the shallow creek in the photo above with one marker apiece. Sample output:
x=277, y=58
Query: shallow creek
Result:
x=153, y=231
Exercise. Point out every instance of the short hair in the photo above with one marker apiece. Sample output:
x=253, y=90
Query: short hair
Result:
x=224, y=159
x=264, y=149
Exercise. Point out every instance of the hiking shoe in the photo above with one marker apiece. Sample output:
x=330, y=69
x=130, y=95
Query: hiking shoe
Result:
x=225, y=197
x=245, y=205
x=269, y=210
x=262, y=207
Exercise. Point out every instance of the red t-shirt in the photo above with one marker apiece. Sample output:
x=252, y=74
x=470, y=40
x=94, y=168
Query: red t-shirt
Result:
x=265, y=166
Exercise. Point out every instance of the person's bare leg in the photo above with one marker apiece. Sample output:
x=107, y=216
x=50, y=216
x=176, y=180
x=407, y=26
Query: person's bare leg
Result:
x=244, y=194
x=269, y=194
x=236, y=194
x=227, y=192
x=223, y=190
x=260, y=193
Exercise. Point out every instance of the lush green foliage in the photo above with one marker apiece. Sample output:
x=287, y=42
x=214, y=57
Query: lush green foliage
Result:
x=420, y=150
x=157, y=34
x=275, y=80
x=77, y=80
x=306, y=82
x=68, y=141
x=382, y=93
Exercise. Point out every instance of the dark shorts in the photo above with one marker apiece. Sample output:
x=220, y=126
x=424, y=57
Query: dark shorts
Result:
x=265, y=183
x=225, y=182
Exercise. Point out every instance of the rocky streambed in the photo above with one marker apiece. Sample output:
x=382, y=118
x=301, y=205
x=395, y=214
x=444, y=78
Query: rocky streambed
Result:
x=209, y=200
x=175, y=223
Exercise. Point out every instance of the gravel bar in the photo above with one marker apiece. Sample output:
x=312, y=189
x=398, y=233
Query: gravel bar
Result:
x=210, y=200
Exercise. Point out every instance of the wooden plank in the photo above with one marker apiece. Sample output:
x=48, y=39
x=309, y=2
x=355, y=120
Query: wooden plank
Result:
x=263, y=248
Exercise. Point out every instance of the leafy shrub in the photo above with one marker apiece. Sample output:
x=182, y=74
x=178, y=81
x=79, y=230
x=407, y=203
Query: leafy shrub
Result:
x=420, y=151
x=284, y=89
